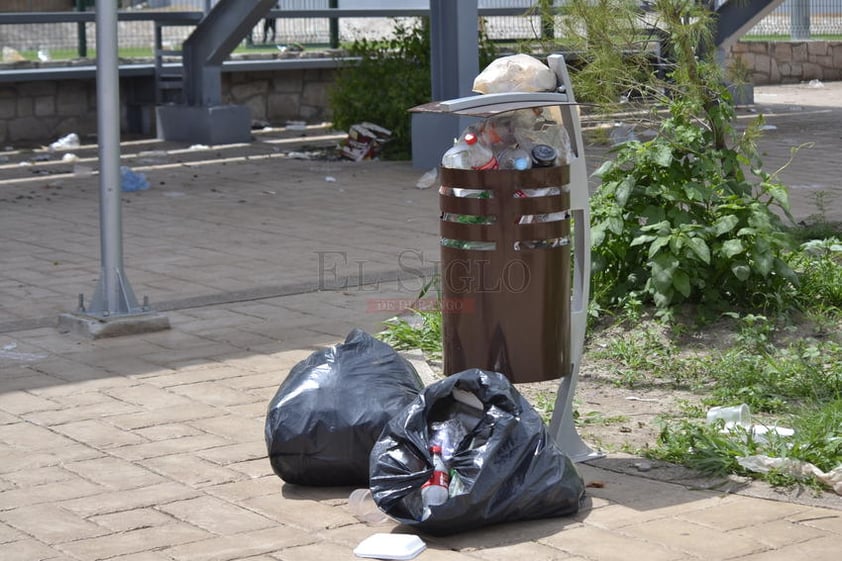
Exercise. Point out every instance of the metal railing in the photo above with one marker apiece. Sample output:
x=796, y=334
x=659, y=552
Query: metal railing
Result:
x=33, y=32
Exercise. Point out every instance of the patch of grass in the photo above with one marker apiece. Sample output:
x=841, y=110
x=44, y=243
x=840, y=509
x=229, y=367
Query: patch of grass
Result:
x=423, y=332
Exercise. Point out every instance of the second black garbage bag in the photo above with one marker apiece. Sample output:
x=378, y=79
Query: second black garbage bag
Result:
x=329, y=411
x=501, y=463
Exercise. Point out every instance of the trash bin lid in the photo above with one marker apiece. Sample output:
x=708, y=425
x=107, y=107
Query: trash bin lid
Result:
x=486, y=105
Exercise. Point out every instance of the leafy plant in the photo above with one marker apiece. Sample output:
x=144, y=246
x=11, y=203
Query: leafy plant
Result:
x=423, y=333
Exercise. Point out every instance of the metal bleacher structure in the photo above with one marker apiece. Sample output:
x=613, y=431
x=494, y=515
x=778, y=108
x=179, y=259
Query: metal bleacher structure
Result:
x=186, y=89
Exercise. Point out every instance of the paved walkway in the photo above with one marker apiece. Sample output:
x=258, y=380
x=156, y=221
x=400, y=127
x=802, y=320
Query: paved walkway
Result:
x=150, y=447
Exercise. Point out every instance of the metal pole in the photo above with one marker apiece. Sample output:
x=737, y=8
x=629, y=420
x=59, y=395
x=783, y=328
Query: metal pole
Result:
x=81, y=32
x=114, y=295
x=799, y=20
x=334, y=26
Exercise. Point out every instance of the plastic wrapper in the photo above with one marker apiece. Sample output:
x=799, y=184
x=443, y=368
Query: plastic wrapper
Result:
x=505, y=466
x=329, y=411
x=515, y=73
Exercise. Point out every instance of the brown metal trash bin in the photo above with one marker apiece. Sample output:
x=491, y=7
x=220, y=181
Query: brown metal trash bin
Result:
x=506, y=309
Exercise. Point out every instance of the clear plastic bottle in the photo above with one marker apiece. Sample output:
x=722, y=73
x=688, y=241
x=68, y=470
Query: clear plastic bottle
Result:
x=514, y=158
x=435, y=490
x=469, y=153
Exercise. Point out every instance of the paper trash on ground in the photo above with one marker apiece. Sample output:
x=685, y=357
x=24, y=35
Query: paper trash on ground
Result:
x=364, y=142
x=794, y=468
x=390, y=546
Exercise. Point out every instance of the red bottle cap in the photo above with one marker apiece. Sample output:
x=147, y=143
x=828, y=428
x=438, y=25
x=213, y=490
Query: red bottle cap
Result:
x=435, y=449
x=470, y=138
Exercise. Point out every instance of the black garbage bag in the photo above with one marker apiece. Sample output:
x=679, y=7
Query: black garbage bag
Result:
x=503, y=464
x=329, y=411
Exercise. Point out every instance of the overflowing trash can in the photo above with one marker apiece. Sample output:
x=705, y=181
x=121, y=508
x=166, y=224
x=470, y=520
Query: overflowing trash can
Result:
x=515, y=249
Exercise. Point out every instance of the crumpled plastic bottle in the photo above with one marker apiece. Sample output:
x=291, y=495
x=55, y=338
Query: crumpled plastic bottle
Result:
x=132, y=181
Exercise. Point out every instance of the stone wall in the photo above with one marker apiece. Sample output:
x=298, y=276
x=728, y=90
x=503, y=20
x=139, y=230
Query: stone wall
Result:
x=790, y=62
x=40, y=111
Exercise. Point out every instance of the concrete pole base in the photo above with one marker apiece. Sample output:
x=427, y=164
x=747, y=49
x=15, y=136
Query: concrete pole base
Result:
x=97, y=327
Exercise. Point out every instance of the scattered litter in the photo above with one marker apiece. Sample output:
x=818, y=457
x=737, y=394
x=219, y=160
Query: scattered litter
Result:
x=768, y=128
x=302, y=155
x=83, y=171
x=622, y=133
x=70, y=157
x=794, y=468
x=648, y=399
x=330, y=179
x=515, y=73
x=364, y=142
x=259, y=124
x=390, y=546
x=815, y=83
x=428, y=179
x=66, y=142
x=8, y=352
x=296, y=125
x=643, y=466
x=595, y=484
x=24, y=164
x=12, y=55
x=44, y=55
x=362, y=506
x=268, y=192
x=153, y=157
x=740, y=416
x=132, y=181
x=199, y=147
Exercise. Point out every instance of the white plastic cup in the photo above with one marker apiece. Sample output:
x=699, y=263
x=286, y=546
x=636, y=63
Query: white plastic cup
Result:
x=735, y=415
x=363, y=507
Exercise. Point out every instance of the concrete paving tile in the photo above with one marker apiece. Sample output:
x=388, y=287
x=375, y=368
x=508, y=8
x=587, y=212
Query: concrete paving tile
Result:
x=48, y=493
x=213, y=394
x=27, y=550
x=26, y=380
x=8, y=418
x=121, y=500
x=134, y=519
x=16, y=460
x=255, y=410
x=241, y=546
x=595, y=543
x=308, y=515
x=38, y=476
x=234, y=453
x=171, y=446
x=51, y=524
x=238, y=491
x=526, y=550
x=114, y=473
x=191, y=470
x=741, y=512
x=9, y=534
x=20, y=403
x=822, y=549
x=209, y=372
x=27, y=436
x=217, y=516
x=98, y=434
x=821, y=518
x=255, y=468
x=694, y=539
x=509, y=533
x=257, y=381
x=148, y=396
x=167, y=431
x=324, y=550
x=133, y=541
x=779, y=533
x=233, y=427
x=163, y=416
x=94, y=405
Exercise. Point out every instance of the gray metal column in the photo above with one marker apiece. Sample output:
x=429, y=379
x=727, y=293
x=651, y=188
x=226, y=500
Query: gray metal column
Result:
x=454, y=61
x=114, y=309
x=205, y=118
x=799, y=22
